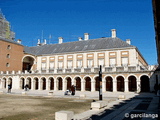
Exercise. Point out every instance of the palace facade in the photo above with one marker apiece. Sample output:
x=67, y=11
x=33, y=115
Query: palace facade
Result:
x=58, y=66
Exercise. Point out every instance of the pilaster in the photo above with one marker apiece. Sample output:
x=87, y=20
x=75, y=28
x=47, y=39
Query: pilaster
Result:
x=126, y=85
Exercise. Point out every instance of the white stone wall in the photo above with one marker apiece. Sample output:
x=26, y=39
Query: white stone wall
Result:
x=15, y=82
x=133, y=61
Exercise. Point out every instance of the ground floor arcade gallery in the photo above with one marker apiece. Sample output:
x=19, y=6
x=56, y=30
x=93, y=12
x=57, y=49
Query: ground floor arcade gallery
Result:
x=121, y=82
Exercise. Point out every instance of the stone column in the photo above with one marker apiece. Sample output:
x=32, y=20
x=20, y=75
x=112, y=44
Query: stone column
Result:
x=138, y=86
x=83, y=83
x=114, y=86
x=40, y=84
x=126, y=85
x=64, y=85
x=55, y=85
x=93, y=86
x=3, y=82
x=48, y=84
x=33, y=85
x=103, y=85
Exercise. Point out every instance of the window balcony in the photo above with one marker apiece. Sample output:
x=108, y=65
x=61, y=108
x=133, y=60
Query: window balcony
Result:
x=109, y=69
x=131, y=68
x=77, y=70
x=87, y=69
x=68, y=70
x=119, y=69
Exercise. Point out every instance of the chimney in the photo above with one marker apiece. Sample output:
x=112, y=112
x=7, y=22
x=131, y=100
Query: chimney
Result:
x=19, y=41
x=45, y=41
x=113, y=33
x=79, y=38
x=39, y=42
x=86, y=36
x=60, y=40
x=128, y=41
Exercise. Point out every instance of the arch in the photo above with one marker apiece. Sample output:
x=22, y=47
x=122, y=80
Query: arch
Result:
x=36, y=83
x=68, y=80
x=132, y=83
x=120, y=83
x=97, y=83
x=109, y=83
x=60, y=85
x=43, y=83
x=4, y=82
x=28, y=62
x=87, y=83
x=51, y=83
x=22, y=83
x=78, y=83
x=28, y=82
x=145, y=86
x=10, y=81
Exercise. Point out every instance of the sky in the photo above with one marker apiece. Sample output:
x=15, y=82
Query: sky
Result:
x=49, y=19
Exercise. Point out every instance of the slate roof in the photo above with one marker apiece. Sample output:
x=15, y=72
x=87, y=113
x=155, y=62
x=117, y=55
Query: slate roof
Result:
x=10, y=41
x=78, y=46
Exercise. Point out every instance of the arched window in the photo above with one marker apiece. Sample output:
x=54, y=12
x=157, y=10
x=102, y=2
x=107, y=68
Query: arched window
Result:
x=9, y=47
x=7, y=64
x=8, y=56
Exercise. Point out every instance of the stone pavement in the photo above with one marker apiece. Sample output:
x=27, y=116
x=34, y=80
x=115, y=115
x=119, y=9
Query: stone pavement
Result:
x=143, y=106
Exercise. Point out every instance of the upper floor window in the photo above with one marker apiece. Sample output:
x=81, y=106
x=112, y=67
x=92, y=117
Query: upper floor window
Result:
x=60, y=64
x=124, y=61
x=69, y=64
x=101, y=62
x=112, y=61
x=51, y=65
x=90, y=63
x=9, y=47
x=7, y=64
x=8, y=56
x=43, y=66
x=79, y=63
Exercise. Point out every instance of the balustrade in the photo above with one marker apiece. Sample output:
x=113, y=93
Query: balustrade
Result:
x=78, y=70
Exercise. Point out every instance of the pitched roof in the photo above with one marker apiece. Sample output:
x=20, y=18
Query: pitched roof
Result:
x=10, y=41
x=78, y=46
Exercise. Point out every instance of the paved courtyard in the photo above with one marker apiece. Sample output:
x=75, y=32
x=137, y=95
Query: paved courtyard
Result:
x=35, y=101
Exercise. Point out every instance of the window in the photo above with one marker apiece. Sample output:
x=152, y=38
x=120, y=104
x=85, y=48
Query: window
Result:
x=125, y=61
x=79, y=63
x=9, y=47
x=51, y=66
x=43, y=66
x=8, y=56
x=69, y=64
x=60, y=64
x=101, y=62
x=7, y=64
x=112, y=61
x=90, y=63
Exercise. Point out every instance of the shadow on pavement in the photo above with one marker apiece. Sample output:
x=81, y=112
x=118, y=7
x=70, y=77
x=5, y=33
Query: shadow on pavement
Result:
x=142, y=104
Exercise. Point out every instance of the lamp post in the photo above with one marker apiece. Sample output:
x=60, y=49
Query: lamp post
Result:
x=100, y=83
